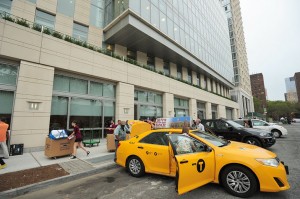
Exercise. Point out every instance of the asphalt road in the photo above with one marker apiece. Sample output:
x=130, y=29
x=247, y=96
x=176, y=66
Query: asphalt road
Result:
x=117, y=183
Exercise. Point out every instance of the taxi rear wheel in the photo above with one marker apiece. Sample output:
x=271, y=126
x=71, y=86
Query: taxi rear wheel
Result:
x=253, y=141
x=239, y=181
x=135, y=166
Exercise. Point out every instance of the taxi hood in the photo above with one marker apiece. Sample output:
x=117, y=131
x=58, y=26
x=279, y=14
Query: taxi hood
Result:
x=248, y=150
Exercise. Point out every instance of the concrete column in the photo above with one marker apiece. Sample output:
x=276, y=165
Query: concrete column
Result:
x=214, y=86
x=193, y=108
x=159, y=64
x=64, y=24
x=221, y=111
x=168, y=105
x=202, y=81
x=208, y=84
x=120, y=50
x=95, y=36
x=35, y=84
x=208, y=110
x=194, y=78
x=81, y=12
x=173, y=69
x=234, y=114
x=124, y=101
x=184, y=73
x=141, y=58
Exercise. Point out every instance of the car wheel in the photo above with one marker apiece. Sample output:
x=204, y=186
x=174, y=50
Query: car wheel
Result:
x=253, y=141
x=135, y=166
x=276, y=133
x=239, y=181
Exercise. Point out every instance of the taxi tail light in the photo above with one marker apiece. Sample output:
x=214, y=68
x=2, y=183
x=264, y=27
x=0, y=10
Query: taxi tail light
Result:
x=119, y=145
x=280, y=184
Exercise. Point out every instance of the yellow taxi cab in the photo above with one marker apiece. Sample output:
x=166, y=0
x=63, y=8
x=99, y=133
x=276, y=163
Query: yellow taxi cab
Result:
x=199, y=158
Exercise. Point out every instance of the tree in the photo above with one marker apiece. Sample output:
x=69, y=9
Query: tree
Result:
x=257, y=105
x=278, y=109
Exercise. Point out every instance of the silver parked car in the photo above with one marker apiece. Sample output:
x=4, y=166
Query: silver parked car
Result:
x=276, y=129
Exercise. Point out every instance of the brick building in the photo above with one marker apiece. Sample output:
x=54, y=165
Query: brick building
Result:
x=258, y=88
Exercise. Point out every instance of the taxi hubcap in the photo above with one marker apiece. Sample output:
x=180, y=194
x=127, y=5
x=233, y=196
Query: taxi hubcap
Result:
x=238, y=181
x=251, y=142
x=135, y=166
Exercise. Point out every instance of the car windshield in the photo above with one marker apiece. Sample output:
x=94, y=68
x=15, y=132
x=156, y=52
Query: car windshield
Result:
x=234, y=124
x=211, y=138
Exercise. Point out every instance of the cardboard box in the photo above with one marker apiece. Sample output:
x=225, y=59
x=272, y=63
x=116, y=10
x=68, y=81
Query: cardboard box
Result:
x=110, y=141
x=60, y=147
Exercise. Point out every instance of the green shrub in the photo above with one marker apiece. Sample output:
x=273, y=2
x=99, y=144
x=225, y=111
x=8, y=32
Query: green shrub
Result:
x=8, y=18
x=57, y=35
x=85, y=44
x=47, y=31
x=91, y=47
x=37, y=27
x=22, y=22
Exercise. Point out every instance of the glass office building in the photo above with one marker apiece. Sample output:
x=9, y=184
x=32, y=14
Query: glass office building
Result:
x=97, y=60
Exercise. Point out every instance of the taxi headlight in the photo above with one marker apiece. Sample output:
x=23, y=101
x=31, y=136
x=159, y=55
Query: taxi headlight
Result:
x=263, y=134
x=269, y=162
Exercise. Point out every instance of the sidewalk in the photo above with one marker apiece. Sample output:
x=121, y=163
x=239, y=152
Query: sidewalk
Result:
x=98, y=160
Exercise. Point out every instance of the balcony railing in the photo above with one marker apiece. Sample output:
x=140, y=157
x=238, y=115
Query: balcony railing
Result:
x=50, y=31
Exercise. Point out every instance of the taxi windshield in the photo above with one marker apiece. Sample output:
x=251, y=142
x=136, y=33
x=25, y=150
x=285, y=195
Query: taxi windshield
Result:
x=211, y=138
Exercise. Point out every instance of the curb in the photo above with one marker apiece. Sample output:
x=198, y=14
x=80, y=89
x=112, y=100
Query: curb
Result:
x=40, y=185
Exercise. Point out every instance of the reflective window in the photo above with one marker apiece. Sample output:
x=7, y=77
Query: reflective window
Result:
x=80, y=32
x=156, y=138
x=179, y=72
x=44, y=19
x=97, y=13
x=8, y=74
x=66, y=7
x=181, y=107
x=5, y=5
x=167, y=68
x=32, y=1
x=6, y=107
x=59, y=113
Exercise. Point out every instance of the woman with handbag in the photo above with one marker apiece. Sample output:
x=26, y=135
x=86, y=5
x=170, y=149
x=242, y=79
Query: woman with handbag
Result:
x=78, y=140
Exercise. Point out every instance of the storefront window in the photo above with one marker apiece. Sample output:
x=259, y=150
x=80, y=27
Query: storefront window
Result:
x=8, y=74
x=59, y=113
x=181, y=107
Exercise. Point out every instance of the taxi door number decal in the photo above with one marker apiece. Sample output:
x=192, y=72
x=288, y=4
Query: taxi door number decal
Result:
x=200, y=165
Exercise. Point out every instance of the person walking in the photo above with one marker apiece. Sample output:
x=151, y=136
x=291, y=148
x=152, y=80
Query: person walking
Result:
x=3, y=131
x=78, y=140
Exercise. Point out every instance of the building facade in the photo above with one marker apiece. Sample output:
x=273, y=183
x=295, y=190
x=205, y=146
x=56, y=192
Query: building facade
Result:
x=291, y=90
x=258, y=89
x=297, y=83
x=97, y=60
x=242, y=90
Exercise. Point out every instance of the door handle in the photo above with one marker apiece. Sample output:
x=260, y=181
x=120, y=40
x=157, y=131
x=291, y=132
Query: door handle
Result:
x=140, y=147
x=193, y=164
x=183, y=161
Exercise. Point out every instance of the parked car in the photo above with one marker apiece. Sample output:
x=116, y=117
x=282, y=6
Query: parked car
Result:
x=198, y=158
x=274, y=128
x=231, y=130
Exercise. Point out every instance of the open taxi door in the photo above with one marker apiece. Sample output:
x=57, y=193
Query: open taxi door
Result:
x=195, y=167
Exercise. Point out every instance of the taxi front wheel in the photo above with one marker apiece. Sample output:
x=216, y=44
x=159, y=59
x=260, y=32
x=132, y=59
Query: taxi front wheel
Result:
x=239, y=181
x=135, y=166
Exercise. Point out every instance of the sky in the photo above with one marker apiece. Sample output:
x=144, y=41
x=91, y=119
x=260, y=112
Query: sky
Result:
x=272, y=34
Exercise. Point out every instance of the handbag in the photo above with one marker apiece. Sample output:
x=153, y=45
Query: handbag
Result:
x=58, y=134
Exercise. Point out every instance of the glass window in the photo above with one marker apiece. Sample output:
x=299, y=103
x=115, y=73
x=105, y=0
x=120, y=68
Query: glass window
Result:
x=61, y=83
x=158, y=99
x=6, y=98
x=78, y=86
x=179, y=72
x=59, y=113
x=163, y=22
x=142, y=96
x=66, y=7
x=156, y=138
x=184, y=144
x=167, y=68
x=180, y=112
x=151, y=62
x=96, y=89
x=145, y=10
x=32, y=1
x=147, y=111
x=108, y=90
x=97, y=13
x=135, y=5
x=198, y=79
x=86, y=112
x=5, y=5
x=80, y=32
x=189, y=76
x=8, y=74
x=44, y=19
x=154, y=16
x=151, y=97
